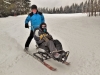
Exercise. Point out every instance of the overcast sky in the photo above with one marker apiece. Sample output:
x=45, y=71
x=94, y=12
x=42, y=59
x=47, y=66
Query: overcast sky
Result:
x=54, y=3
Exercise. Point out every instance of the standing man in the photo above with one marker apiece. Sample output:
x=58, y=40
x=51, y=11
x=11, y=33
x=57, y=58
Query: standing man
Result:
x=36, y=19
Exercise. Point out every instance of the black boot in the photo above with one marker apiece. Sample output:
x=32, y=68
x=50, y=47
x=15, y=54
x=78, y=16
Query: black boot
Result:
x=63, y=56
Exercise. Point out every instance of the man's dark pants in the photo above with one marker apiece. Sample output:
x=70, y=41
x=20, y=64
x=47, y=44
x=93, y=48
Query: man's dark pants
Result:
x=29, y=39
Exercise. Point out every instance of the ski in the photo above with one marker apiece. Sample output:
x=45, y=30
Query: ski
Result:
x=66, y=63
x=42, y=61
x=65, y=58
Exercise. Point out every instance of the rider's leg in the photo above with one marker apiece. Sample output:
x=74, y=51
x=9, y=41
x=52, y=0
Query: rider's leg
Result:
x=51, y=47
x=58, y=45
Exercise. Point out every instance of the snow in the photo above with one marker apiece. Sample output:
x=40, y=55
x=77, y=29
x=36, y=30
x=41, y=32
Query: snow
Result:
x=7, y=2
x=78, y=33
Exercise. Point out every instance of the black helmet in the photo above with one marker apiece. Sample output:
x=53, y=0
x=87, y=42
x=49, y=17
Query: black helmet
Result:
x=33, y=7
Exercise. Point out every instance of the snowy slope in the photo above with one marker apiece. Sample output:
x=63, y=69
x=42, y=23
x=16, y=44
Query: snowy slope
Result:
x=78, y=33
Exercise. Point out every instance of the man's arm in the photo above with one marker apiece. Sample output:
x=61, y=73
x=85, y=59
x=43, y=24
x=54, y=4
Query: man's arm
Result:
x=27, y=21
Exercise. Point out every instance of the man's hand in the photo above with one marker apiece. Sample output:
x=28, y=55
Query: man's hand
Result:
x=26, y=25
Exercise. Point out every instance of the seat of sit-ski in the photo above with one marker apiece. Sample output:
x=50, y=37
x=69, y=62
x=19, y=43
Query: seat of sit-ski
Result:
x=39, y=49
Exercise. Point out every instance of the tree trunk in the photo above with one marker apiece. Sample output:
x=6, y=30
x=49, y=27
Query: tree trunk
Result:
x=99, y=12
x=95, y=13
x=89, y=14
x=91, y=7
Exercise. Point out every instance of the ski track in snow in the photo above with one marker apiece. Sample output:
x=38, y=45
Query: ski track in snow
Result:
x=78, y=34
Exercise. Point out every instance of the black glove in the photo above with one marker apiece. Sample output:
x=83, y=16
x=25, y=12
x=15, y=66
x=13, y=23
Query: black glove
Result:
x=26, y=25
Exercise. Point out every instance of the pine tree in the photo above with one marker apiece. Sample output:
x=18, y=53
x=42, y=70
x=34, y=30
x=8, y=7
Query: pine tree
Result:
x=66, y=9
x=99, y=7
x=92, y=1
x=1, y=8
x=95, y=7
x=4, y=8
x=54, y=10
x=46, y=10
x=14, y=7
x=73, y=8
x=76, y=8
x=26, y=5
x=50, y=11
x=89, y=7
x=81, y=8
x=85, y=7
x=61, y=9
x=57, y=10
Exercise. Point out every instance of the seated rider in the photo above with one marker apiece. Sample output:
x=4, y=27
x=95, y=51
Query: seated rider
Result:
x=45, y=41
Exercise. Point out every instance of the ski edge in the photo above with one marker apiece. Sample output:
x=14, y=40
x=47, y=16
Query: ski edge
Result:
x=43, y=62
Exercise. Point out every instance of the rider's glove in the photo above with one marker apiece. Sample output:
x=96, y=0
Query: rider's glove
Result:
x=49, y=37
x=41, y=37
